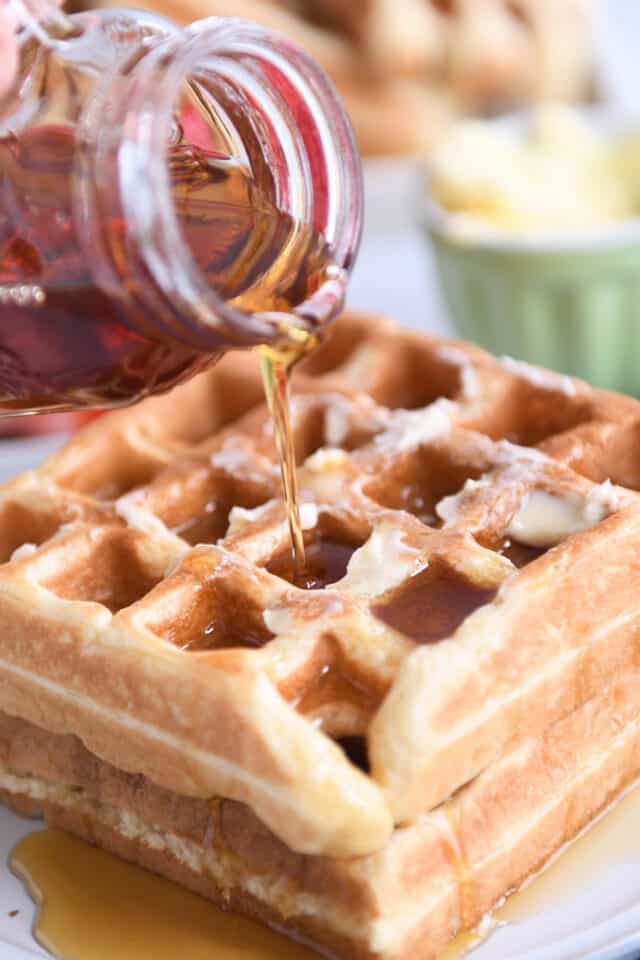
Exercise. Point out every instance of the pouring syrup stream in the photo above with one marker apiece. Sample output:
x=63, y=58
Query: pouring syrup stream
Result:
x=277, y=364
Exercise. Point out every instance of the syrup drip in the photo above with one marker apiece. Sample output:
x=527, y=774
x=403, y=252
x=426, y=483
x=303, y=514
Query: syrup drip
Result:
x=94, y=906
x=276, y=372
x=612, y=840
x=461, y=866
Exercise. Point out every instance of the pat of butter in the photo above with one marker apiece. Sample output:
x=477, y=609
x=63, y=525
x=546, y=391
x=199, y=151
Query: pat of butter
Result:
x=25, y=550
x=409, y=429
x=380, y=564
x=138, y=518
x=546, y=519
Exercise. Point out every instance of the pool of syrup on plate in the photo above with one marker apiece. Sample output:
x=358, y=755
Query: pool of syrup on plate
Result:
x=93, y=906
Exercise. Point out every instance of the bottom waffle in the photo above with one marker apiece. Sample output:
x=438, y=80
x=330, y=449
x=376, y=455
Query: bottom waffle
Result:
x=433, y=879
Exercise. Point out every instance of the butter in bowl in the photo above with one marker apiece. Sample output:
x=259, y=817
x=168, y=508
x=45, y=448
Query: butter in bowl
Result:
x=535, y=222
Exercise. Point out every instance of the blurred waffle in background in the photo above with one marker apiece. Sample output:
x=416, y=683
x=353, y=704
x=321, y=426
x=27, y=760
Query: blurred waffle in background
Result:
x=405, y=68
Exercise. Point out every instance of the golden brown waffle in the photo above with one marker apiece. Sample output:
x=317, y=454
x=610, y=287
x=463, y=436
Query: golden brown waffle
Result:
x=406, y=67
x=391, y=752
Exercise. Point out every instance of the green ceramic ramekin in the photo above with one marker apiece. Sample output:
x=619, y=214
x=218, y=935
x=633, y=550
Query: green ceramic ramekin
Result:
x=571, y=303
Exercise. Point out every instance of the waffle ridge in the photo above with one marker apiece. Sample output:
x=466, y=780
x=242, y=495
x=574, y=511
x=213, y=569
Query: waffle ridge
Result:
x=142, y=611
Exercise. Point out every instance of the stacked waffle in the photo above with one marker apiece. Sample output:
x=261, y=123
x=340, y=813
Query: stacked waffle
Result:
x=405, y=67
x=372, y=763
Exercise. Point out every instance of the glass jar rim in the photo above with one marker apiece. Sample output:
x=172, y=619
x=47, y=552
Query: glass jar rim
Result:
x=166, y=64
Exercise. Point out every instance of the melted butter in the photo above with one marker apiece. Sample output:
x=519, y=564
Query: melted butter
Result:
x=611, y=840
x=546, y=519
x=560, y=174
x=94, y=906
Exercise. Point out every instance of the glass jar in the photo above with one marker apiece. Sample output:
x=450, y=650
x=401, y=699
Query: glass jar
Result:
x=165, y=194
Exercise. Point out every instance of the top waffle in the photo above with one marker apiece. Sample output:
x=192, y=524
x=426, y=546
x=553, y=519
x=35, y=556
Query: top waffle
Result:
x=471, y=528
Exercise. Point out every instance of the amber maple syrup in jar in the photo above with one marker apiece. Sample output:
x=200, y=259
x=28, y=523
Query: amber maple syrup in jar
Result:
x=165, y=195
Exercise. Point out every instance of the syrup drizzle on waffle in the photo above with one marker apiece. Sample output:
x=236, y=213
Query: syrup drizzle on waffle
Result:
x=432, y=604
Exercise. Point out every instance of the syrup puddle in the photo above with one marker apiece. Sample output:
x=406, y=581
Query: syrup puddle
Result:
x=94, y=906
x=432, y=604
x=463, y=945
x=326, y=562
x=612, y=840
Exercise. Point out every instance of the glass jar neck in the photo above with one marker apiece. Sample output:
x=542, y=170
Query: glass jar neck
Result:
x=221, y=144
